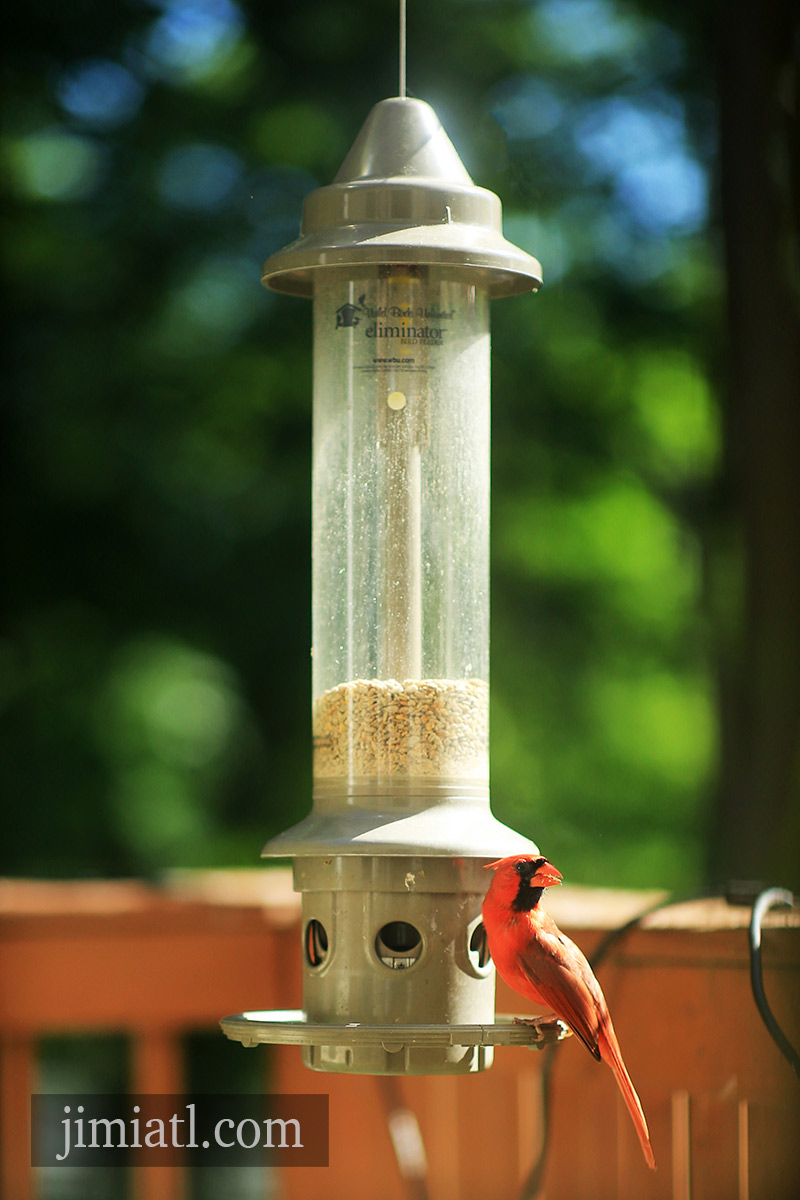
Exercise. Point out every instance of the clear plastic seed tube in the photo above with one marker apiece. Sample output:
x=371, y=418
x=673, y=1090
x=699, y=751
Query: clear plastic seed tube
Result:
x=400, y=531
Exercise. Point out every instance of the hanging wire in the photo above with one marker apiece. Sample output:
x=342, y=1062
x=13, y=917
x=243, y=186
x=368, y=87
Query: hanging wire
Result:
x=402, y=85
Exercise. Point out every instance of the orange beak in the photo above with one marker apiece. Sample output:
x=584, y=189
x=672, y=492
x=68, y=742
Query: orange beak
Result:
x=546, y=876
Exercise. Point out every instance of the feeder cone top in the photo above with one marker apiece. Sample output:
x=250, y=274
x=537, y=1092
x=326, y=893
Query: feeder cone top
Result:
x=403, y=139
x=403, y=196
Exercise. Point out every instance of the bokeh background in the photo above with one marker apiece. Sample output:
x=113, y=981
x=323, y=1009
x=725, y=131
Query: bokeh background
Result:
x=646, y=440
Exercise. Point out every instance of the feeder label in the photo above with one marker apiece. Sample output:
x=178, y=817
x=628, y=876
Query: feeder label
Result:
x=425, y=326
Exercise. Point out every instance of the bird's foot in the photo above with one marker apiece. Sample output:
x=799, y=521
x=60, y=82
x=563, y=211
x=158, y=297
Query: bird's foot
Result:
x=545, y=1030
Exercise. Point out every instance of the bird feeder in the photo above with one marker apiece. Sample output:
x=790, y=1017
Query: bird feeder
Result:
x=401, y=256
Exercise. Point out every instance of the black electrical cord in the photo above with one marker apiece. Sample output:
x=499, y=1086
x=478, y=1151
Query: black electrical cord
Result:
x=767, y=899
x=735, y=893
x=535, y=1180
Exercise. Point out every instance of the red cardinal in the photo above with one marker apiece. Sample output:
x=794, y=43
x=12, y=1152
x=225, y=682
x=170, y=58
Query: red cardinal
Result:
x=539, y=962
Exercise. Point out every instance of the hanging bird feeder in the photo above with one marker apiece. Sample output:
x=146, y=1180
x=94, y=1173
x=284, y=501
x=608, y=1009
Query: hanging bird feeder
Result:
x=401, y=255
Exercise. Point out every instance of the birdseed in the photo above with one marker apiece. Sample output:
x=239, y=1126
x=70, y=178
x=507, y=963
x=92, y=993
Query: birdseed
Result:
x=421, y=727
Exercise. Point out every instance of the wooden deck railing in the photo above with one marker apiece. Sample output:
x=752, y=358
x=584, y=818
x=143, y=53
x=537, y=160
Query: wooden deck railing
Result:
x=157, y=963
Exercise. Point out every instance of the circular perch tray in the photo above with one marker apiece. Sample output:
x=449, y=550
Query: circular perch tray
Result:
x=289, y=1027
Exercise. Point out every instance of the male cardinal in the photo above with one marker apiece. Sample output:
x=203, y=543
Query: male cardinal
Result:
x=538, y=961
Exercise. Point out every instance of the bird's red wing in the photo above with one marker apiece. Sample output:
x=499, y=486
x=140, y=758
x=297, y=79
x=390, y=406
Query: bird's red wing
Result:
x=557, y=970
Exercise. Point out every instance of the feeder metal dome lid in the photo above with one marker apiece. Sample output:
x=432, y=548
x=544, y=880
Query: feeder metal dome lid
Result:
x=403, y=196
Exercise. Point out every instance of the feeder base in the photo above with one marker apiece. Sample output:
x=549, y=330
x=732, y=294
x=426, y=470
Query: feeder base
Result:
x=392, y=1049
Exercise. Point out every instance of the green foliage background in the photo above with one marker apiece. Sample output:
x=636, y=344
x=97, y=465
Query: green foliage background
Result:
x=155, y=664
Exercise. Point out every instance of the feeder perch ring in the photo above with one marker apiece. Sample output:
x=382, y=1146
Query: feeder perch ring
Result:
x=289, y=1027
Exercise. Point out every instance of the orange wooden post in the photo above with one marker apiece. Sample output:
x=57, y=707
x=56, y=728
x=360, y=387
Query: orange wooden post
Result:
x=157, y=1065
x=157, y=1069
x=17, y=1075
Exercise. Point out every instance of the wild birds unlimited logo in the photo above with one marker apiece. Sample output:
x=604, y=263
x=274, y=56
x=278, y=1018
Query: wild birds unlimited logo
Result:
x=411, y=325
x=347, y=315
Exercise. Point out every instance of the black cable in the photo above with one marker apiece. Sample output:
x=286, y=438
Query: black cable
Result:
x=615, y=935
x=533, y=1184
x=767, y=899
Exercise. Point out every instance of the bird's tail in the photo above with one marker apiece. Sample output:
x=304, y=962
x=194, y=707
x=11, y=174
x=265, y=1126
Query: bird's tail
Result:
x=610, y=1053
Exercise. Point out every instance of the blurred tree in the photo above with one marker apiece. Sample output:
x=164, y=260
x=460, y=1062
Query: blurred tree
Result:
x=757, y=810
x=155, y=679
